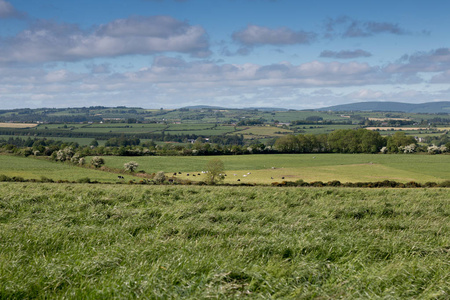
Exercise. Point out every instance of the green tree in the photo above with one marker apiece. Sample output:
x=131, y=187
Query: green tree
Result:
x=215, y=170
x=160, y=177
x=131, y=166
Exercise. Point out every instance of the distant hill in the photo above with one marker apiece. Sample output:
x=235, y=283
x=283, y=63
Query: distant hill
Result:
x=227, y=108
x=429, y=107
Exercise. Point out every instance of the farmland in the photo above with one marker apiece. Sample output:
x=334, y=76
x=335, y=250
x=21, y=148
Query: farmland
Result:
x=79, y=125
x=76, y=241
x=29, y=168
x=114, y=240
x=309, y=167
x=264, y=169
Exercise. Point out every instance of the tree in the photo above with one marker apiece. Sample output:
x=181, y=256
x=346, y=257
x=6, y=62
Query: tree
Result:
x=160, y=177
x=94, y=143
x=131, y=166
x=97, y=161
x=215, y=170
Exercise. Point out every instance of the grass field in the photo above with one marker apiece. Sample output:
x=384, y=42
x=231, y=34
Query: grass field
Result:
x=309, y=167
x=320, y=129
x=262, y=131
x=158, y=242
x=263, y=169
x=32, y=168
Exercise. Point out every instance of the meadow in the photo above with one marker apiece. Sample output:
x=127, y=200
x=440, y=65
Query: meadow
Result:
x=82, y=241
x=33, y=168
x=268, y=168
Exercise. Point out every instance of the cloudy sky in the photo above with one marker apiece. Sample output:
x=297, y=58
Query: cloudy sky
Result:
x=235, y=53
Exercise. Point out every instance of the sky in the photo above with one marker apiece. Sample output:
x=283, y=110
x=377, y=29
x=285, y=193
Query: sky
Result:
x=294, y=54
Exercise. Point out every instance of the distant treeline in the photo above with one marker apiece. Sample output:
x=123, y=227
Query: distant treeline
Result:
x=338, y=141
x=163, y=137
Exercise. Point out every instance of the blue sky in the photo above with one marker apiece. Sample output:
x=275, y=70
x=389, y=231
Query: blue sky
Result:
x=232, y=53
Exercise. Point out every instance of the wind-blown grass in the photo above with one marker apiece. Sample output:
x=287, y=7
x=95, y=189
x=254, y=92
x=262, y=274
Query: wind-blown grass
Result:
x=83, y=241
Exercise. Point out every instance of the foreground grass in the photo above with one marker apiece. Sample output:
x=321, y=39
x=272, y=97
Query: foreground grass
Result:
x=84, y=241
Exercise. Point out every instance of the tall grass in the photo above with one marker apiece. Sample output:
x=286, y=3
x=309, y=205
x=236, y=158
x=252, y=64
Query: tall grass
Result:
x=82, y=241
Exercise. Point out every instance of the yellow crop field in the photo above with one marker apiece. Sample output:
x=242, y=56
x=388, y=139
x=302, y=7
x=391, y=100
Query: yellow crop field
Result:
x=17, y=125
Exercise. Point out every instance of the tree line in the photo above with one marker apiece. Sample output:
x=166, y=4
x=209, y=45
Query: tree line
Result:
x=338, y=141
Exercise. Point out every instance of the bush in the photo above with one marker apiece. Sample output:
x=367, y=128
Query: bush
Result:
x=5, y=178
x=97, y=161
x=46, y=179
x=444, y=184
x=84, y=180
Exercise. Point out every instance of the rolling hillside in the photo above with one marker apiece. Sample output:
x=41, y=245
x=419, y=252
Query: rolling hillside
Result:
x=429, y=107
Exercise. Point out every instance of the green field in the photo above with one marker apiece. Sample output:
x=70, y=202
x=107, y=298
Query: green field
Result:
x=62, y=241
x=264, y=169
x=32, y=168
x=309, y=167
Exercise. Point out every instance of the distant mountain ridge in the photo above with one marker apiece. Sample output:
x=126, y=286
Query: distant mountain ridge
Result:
x=428, y=107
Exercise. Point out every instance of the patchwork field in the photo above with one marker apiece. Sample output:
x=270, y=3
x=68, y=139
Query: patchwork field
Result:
x=163, y=242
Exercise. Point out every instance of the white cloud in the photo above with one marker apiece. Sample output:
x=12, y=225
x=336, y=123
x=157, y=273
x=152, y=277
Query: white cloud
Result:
x=366, y=94
x=254, y=35
x=345, y=54
x=348, y=27
x=48, y=41
x=8, y=11
x=437, y=60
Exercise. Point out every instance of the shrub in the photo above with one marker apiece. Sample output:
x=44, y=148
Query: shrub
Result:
x=5, y=178
x=84, y=180
x=444, y=184
x=97, y=161
x=46, y=179
x=334, y=183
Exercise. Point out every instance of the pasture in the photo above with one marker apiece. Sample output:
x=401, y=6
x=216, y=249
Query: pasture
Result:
x=33, y=168
x=103, y=242
x=270, y=168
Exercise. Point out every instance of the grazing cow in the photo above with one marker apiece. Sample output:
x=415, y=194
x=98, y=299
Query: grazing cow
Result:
x=244, y=175
x=120, y=177
x=179, y=172
x=187, y=174
x=238, y=180
x=282, y=177
x=198, y=174
x=175, y=174
x=193, y=174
